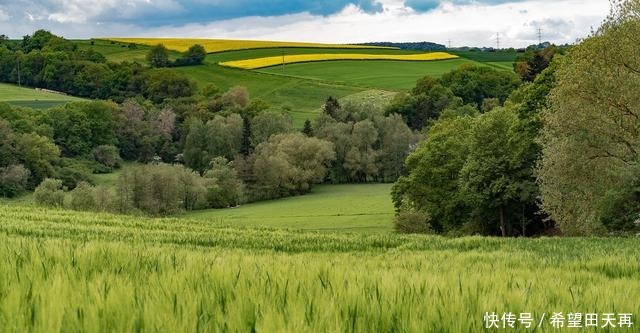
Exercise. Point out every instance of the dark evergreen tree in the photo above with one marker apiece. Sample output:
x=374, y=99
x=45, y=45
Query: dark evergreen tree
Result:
x=308, y=129
x=331, y=107
x=246, y=147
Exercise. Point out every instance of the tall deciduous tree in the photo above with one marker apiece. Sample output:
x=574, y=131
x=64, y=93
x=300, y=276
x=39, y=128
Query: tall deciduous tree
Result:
x=591, y=135
x=497, y=177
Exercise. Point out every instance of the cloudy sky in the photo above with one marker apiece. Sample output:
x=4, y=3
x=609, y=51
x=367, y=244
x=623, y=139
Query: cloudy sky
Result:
x=463, y=22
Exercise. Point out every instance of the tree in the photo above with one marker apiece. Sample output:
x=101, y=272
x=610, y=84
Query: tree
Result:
x=590, y=139
x=225, y=189
x=159, y=189
x=497, y=177
x=331, y=107
x=266, y=124
x=425, y=103
x=289, y=164
x=396, y=142
x=158, y=56
x=361, y=160
x=194, y=56
x=246, y=146
x=475, y=83
x=308, y=128
x=432, y=182
x=108, y=156
x=38, y=154
x=80, y=127
x=162, y=84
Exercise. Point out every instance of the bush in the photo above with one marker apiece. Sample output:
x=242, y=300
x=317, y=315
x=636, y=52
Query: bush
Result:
x=108, y=156
x=49, y=193
x=71, y=172
x=81, y=198
x=13, y=180
x=413, y=222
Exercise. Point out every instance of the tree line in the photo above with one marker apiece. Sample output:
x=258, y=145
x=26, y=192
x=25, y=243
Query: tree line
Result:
x=48, y=61
x=559, y=156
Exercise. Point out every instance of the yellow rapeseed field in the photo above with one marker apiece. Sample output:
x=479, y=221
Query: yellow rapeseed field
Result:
x=290, y=59
x=220, y=45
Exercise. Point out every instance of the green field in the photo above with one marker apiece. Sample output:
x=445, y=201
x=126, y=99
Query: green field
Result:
x=84, y=272
x=391, y=75
x=33, y=98
x=303, y=88
x=362, y=208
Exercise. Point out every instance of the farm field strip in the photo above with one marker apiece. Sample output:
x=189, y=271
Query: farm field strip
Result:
x=301, y=58
x=221, y=45
x=73, y=271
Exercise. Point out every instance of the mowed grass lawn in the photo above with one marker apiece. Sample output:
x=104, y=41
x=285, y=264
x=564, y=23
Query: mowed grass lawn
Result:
x=359, y=208
x=29, y=97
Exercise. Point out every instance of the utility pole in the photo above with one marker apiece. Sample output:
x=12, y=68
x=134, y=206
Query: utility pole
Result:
x=498, y=40
x=282, y=60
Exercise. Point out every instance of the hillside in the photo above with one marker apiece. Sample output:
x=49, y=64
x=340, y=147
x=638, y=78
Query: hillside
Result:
x=304, y=87
x=33, y=98
x=86, y=272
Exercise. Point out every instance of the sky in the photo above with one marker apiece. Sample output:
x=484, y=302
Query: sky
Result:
x=454, y=22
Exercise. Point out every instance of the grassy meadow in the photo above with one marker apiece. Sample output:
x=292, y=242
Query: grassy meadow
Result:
x=389, y=75
x=72, y=272
x=361, y=208
x=302, y=88
x=32, y=98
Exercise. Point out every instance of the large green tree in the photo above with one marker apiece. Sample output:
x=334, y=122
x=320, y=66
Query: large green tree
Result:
x=498, y=176
x=591, y=135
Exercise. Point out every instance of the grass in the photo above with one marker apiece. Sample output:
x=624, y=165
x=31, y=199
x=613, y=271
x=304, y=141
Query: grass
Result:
x=86, y=272
x=363, y=208
x=391, y=75
x=28, y=97
x=303, y=88
x=256, y=63
x=221, y=45
x=302, y=97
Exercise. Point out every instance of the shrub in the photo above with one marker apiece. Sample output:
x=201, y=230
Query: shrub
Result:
x=71, y=172
x=413, y=222
x=49, y=193
x=108, y=156
x=82, y=197
x=13, y=180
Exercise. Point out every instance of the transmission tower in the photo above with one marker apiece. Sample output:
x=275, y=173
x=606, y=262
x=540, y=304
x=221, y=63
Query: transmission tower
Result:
x=498, y=40
x=449, y=42
x=539, y=36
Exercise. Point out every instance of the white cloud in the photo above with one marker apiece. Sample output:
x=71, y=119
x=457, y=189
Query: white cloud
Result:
x=476, y=24
x=4, y=16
